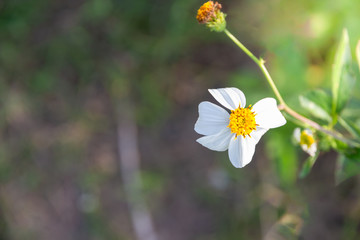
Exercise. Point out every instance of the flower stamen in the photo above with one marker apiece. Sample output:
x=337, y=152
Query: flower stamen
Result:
x=242, y=121
x=306, y=139
x=207, y=11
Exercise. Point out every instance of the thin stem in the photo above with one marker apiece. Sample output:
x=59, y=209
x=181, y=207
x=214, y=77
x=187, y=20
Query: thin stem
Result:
x=260, y=63
x=283, y=106
x=240, y=45
x=271, y=82
x=316, y=126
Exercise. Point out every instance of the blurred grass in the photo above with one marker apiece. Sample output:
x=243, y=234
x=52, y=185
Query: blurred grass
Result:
x=65, y=68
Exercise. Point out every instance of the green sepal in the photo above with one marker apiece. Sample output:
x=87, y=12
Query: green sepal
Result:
x=218, y=24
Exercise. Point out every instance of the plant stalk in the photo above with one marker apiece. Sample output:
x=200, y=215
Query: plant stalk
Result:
x=283, y=106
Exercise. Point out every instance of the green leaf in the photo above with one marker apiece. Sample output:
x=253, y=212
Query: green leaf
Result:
x=343, y=77
x=350, y=127
x=307, y=166
x=352, y=110
x=358, y=53
x=317, y=103
x=348, y=165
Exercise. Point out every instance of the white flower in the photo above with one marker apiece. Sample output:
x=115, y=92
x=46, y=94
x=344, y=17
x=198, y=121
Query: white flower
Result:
x=306, y=140
x=240, y=130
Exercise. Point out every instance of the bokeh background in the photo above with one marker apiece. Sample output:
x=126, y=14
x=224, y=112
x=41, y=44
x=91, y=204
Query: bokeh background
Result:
x=98, y=104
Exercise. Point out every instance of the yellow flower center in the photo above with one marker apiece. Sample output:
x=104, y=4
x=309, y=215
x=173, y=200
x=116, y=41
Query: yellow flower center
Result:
x=207, y=11
x=306, y=139
x=242, y=121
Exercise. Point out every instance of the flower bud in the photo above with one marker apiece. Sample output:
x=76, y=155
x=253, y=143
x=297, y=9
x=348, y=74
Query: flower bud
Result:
x=306, y=140
x=209, y=13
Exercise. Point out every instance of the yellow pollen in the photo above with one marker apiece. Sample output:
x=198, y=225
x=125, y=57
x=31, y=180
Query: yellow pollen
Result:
x=207, y=11
x=306, y=139
x=242, y=121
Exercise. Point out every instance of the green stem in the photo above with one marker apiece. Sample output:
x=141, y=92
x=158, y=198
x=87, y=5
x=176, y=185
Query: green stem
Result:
x=240, y=45
x=283, y=106
x=261, y=63
x=271, y=82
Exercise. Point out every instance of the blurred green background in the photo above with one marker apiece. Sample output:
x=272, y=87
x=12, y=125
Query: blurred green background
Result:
x=75, y=74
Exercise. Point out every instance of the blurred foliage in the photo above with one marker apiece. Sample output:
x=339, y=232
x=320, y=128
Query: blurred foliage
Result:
x=66, y=67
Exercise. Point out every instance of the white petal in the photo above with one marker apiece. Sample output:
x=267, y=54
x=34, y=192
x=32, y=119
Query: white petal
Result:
x=312, y=150
x=230, y=98
x=217, y=142
x=257, y=134
x=241, y=151
x=308, y=132
x=267, y=114
x=212, y=119
x=304, y=147
x=297, y=134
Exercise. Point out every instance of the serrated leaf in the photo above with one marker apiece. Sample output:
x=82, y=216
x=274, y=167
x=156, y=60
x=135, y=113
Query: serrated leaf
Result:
x=317, y=103
x=307, y=166
x=348, y=165
x=343, y=77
